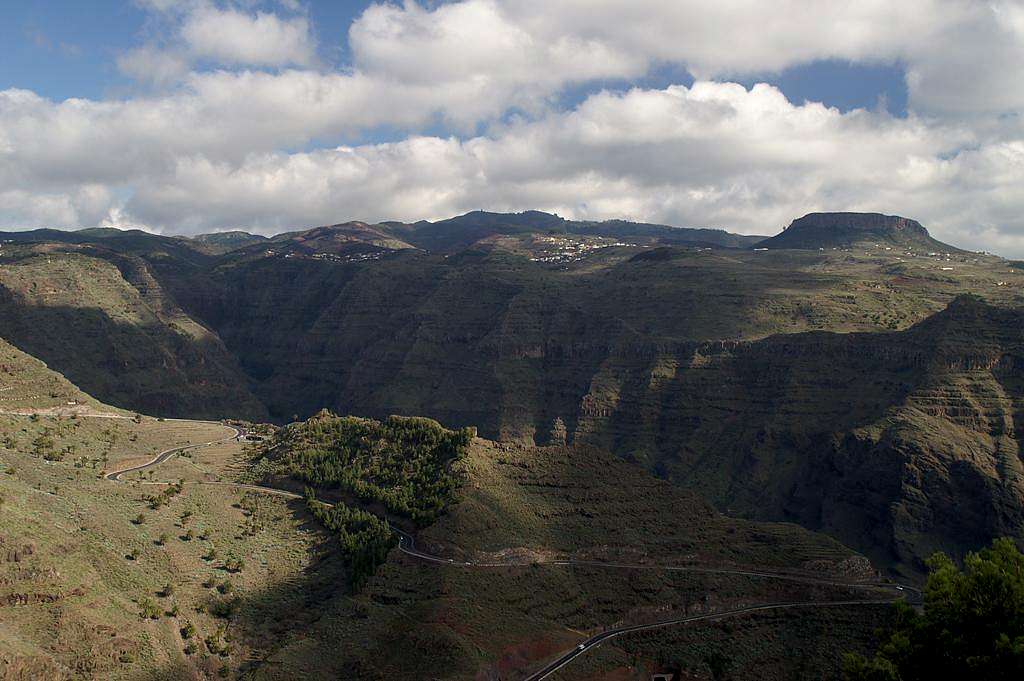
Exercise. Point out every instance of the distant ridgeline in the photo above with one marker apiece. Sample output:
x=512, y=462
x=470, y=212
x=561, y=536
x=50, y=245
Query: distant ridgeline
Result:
x=401, y=467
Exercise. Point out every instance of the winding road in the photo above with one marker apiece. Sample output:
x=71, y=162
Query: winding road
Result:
x=598, y=639
x=168, y=453
x=406, y=542
x=407, y=545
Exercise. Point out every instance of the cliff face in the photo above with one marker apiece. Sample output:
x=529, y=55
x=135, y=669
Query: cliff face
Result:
x=110, y=327
x=832, y=230
x=898, y=443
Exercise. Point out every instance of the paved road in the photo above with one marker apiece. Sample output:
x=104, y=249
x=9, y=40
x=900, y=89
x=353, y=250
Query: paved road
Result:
x=407, y=544
x=598, y=639
x=168, y=453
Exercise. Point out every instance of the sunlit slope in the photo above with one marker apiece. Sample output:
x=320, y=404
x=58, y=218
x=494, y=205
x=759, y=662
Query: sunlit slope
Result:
x=524, y=511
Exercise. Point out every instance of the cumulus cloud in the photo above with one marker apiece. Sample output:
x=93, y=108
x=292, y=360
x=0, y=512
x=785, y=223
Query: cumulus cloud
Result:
x=952, y=49
x=192, y=31
x=476, y=45
x=714, y=154
x=234, y=37
x=215, y=148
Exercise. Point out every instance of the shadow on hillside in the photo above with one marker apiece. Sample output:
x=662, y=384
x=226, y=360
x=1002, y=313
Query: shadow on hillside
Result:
x=152, y=368
x=262, y=622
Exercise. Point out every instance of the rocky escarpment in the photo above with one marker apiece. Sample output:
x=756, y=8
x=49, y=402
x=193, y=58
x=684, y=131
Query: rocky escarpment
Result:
x=834, y=230
x=872, y=437
x=109, y=326
x=897, y=443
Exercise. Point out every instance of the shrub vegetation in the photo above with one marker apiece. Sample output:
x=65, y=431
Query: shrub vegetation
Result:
x=402, y=463
x=972, y=626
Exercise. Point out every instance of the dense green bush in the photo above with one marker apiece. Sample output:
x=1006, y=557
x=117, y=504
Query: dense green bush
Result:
x=972, y=626
x=402, y=463
x=365, y=539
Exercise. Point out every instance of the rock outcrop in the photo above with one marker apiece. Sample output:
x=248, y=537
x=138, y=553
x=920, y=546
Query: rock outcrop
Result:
x=835, y=230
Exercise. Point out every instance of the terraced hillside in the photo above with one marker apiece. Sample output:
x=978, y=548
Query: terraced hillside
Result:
x=197, y=577
x=545, y=545
x=702, y=364
x=900, y=444
x=104, y=320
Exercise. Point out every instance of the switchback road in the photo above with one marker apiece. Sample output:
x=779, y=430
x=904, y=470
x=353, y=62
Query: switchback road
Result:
x=407, y=545
x=168, y=453
x=598, y=639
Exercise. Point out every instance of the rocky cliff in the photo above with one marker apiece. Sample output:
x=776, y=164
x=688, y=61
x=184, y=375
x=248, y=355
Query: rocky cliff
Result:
x=767, y=381
x=899, y=443
x=841, y=230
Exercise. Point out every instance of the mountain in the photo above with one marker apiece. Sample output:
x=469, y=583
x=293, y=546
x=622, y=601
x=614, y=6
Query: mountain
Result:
x=523, y=511
x=536, y=549
x=103, y=319
x=663, y=234
x=906, y=445
x=464, y=230
x=842, y=230
x=336, y=239
x=701, y=365
x=182, y=251
x=224, y=242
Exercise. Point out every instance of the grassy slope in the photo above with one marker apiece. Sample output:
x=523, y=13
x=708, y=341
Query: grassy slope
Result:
x=80, y=529
x=26, y=382
x=70, y=596
x=82, y=595
x=108, y=325
x=541, y=503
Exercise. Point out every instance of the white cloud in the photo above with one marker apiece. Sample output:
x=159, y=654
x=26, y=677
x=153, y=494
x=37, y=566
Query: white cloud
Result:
x=198, y=31
x=215, y=148
x=156, y=66
x=261, y=39
x=475, y=46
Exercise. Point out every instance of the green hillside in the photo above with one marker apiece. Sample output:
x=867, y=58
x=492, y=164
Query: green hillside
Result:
x=104, y=321
x=520, y=511
x=196, y=578
x=817, y=386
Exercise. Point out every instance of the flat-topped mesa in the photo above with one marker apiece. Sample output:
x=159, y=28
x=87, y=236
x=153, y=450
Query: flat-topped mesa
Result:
x=834, y=230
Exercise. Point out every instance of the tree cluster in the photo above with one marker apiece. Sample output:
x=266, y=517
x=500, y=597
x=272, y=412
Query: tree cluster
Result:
x=402, y=463
x=365, y=539
x=971, y=627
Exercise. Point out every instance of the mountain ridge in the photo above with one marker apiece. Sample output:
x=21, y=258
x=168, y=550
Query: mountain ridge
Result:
x=842, y=230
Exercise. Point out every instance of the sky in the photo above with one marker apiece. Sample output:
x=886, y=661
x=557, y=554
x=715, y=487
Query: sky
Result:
x=187, y=116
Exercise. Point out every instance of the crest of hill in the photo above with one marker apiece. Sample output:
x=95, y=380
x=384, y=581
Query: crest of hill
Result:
x=464, y=230
x=224, y=242
x=336, y=239
x=839, y=230
x=124, y=241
